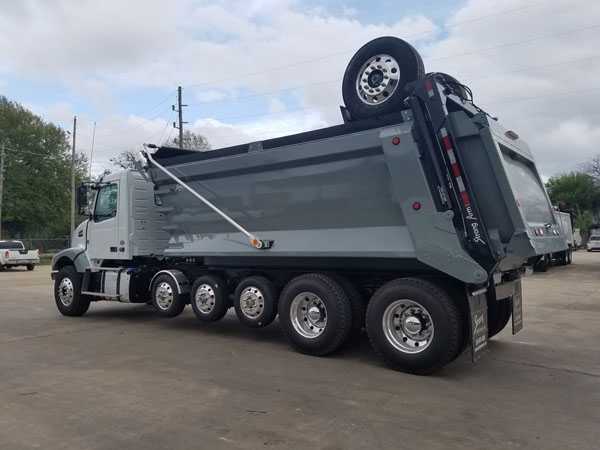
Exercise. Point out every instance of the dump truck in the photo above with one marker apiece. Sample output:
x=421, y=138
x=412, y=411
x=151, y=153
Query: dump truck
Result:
x=410, y=221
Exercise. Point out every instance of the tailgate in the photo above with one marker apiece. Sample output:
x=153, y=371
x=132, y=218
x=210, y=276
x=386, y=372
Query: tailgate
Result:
x=507, y=186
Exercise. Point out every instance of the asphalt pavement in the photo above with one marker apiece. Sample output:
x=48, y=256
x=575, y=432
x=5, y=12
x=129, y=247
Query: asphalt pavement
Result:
x=120, y=377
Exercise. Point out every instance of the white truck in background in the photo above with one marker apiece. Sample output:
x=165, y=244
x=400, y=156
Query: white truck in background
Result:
x=566, y=227
x=13, y=254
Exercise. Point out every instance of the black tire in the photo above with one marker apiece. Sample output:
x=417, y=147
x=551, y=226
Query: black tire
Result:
x=30, y=267
x=166, y=299
x=423, y=303
x=2, y=267
x=67, y=293
x=357, y=304
x=409, y=66
x=499, y=312
x=330, y=306
x=569, y=256
x=210, y=298
x=542, y=265
x=563, y=258
x=262, y=297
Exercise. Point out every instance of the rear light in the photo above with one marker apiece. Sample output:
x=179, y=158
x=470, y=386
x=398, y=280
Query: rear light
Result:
x=38, y=253
x=6, y=254
x=537, y=232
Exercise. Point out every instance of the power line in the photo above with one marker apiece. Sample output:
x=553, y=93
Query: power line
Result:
x=124, y=147
x=530, y=68
x=519, y=99
x=348, y=51
x=270, y=113
x=132, y=128
x=539, y=38
x=133, y=114
x=266, y=93
x=260, y=94
x=47, y=156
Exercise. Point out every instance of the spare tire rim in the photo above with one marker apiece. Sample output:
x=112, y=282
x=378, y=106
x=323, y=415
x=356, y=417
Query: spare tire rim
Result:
x=378, y=79
x=407, y=325
x=164, y=295
x=65, y=291
x=252, y=302
x=205, y=298
x=308, y=314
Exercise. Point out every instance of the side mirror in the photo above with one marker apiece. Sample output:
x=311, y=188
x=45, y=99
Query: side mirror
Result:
x=82, y=200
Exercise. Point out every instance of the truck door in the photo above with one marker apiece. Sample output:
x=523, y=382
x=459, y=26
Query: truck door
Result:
x=103, y=235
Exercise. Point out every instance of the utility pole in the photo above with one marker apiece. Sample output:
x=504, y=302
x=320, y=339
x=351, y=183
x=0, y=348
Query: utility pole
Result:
x=73, y=177
x=180, y=112
x=1, y=183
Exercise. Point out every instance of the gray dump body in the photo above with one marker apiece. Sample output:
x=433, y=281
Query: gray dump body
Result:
x=352, y=196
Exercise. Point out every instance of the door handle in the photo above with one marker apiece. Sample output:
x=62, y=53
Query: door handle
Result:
x=80, y=234
x=113, y=249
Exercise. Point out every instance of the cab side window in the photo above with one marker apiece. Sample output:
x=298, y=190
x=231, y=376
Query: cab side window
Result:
x=106, y=203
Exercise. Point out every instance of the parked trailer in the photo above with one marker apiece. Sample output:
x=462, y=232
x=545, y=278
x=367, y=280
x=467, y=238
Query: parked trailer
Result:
x=413, y=219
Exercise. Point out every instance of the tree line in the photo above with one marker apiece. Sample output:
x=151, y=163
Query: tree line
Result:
x=579, y=191
x=37, y=172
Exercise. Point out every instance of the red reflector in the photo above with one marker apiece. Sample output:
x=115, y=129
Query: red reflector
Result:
x=518, y=203
x=537, y=232
x=416, y=206
x=396, y=141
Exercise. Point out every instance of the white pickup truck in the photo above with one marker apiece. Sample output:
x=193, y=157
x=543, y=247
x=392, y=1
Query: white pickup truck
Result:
x=13, y=254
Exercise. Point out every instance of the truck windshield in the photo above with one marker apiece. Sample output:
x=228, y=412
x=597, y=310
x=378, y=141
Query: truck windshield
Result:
x=106, y=203
x=13, y=245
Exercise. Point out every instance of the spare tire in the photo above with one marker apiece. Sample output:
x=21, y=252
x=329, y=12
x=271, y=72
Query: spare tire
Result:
x=376, y=77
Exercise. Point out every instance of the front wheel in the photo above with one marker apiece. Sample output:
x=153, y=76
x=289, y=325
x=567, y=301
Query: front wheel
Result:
x=414, y=326
x=67, y=293
x=166, y=299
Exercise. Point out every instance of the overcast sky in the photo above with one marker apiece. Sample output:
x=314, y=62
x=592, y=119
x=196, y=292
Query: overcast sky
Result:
x=257, y=69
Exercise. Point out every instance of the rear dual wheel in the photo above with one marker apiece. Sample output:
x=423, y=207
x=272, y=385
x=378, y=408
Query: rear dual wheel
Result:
x=315, y=314
x=415, y=326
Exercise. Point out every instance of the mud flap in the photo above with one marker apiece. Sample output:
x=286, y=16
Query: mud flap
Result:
x=517, y=308
x=479, y=325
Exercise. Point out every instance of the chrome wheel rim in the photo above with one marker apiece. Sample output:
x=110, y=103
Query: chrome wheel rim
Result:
x=164, y=295
x=252, y=302
x=308, y=314
x=65, y=291
x=205, y=298
x=378, y=79
x=407, y=325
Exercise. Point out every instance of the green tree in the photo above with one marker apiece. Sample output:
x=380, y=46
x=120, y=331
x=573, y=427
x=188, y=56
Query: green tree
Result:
x=191, y=141
x=577, y=190
x=37, y=178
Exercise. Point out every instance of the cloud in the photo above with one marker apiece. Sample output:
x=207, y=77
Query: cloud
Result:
x=97, y=50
